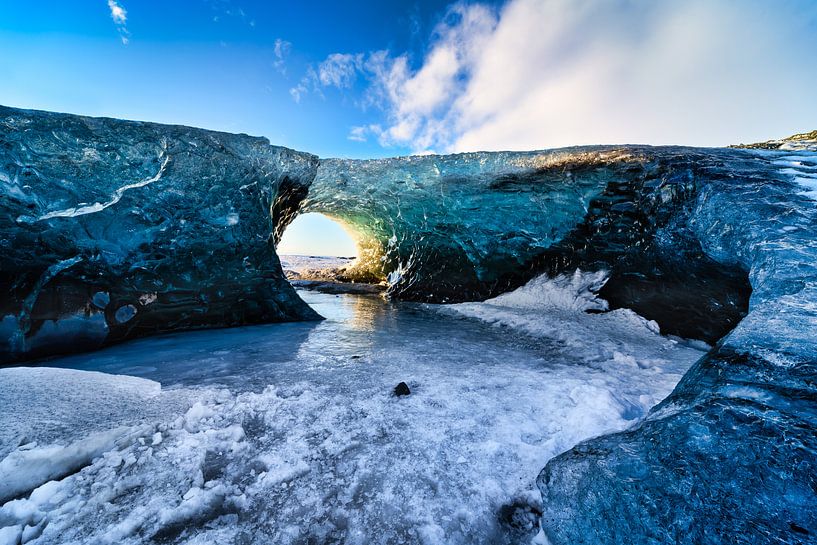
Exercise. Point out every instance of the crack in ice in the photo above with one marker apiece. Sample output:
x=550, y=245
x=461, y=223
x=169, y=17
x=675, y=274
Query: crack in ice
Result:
x=117, y=196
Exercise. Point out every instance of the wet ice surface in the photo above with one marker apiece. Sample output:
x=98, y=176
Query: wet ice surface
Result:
x=289, y=433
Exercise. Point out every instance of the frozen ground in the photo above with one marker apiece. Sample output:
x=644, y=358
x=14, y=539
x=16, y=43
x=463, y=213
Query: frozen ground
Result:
x=289, y=433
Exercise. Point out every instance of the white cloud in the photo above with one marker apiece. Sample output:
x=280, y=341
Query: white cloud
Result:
x=361, y=133
x=358, y=134
x=120, y=20
x=547, y=73
x=308, y=83
x=298, y=92
x=419, y=103
x=281, y=51
x=339, y=70
x=118, y=13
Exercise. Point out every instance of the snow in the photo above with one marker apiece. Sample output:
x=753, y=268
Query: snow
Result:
x=801, y=169
x=301, y=438
x=62, y=401
x=555, y=310
x=297, y=267
x=41, y=442
x=29, y=466
x=10, y=535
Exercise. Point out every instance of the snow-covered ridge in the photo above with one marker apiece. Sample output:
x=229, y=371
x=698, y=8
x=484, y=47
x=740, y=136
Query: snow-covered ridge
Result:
x=806, y=141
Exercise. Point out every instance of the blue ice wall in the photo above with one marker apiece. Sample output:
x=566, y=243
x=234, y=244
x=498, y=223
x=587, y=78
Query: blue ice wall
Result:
x=731, y=455
x=471, y=226
x=448, y=228
x=113, y=229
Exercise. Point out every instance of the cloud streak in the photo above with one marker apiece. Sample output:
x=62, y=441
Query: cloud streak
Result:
x=340, y=70
x=281, y=50
x=120, y=20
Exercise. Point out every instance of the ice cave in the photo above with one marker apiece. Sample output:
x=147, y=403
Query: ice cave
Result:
x=634, y=326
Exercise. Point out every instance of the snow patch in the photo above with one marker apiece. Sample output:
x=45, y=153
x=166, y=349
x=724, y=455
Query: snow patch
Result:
x=555, y=310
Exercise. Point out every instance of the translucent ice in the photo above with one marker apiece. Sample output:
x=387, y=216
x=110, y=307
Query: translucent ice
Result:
x=114, y=229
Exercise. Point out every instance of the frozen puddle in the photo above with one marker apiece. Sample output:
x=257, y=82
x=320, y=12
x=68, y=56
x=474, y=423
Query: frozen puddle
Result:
x=290, y=433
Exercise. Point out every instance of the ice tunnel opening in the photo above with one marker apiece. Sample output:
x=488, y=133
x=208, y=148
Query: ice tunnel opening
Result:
x=316, y=246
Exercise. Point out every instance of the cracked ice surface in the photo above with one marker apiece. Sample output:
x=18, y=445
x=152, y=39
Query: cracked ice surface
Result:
x=290, y=434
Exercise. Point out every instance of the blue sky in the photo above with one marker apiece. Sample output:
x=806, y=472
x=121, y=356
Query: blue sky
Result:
x=212, y=64
x=373, y=79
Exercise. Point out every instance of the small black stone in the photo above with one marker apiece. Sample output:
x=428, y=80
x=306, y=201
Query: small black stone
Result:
x=402, y=389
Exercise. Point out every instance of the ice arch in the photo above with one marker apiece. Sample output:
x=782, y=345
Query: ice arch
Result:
x=471, y=226
x=112, y=229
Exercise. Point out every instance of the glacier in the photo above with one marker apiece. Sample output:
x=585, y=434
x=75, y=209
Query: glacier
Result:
x=113, y=230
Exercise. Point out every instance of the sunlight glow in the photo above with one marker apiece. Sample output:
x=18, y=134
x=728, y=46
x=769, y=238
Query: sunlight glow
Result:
x=316, y=234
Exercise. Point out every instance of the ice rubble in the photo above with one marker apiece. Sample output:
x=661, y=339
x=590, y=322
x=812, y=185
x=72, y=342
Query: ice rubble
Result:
x=325, y=453
x=113, y=229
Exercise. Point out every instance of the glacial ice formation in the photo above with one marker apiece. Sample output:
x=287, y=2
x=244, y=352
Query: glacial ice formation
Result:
x=114, y=229
x=731, y=455
x=471, y=226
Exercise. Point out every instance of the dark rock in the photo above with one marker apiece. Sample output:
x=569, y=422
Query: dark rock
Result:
x=402, y=389
x=519, y=517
